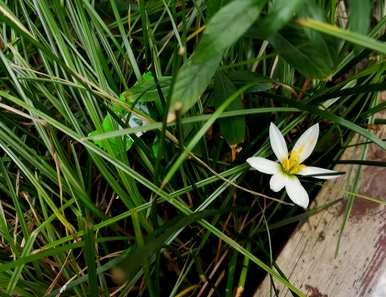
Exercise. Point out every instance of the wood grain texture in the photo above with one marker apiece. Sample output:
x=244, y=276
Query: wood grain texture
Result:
x=359, y=269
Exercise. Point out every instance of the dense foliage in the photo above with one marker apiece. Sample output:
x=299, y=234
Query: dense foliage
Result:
x=125, y=126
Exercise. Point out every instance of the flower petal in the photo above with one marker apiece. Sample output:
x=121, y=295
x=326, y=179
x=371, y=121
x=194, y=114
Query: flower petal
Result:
x=310, y=170
x=277, y=182
x=306, y=143
x=264, y=165
x=278, y=144
x=296, y=192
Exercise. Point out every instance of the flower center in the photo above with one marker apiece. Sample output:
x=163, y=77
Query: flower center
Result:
x=292, y=165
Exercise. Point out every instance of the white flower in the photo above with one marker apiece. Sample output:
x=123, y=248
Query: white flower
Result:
x=284, y=171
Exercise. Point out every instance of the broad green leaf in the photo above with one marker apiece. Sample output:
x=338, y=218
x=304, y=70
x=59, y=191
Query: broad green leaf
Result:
x=226, y=27
x=213, y=6
x=311, y=57
x=146, y=90
x=143, y=91
x=233, y=128
x=279, y=15
x=192, y=80
x=223, y=30
x=108, y=125
x=359, y=16
x=310, y=53
x=241, y=78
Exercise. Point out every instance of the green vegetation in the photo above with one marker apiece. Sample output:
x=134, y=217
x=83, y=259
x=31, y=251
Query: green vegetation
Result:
x=125, y=126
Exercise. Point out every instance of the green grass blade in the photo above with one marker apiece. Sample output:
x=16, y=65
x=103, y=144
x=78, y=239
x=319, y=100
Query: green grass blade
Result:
x=343, y=34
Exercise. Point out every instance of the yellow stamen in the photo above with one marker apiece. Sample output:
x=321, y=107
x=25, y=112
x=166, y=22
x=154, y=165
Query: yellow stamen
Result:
x=296, y=169
x=292, y=165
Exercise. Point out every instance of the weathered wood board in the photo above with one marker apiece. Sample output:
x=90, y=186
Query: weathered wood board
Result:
x=359, y=269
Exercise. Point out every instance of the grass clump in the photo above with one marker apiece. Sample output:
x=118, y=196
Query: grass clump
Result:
x=125, y=126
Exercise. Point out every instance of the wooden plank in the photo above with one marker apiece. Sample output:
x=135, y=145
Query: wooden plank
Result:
x=359, y=269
